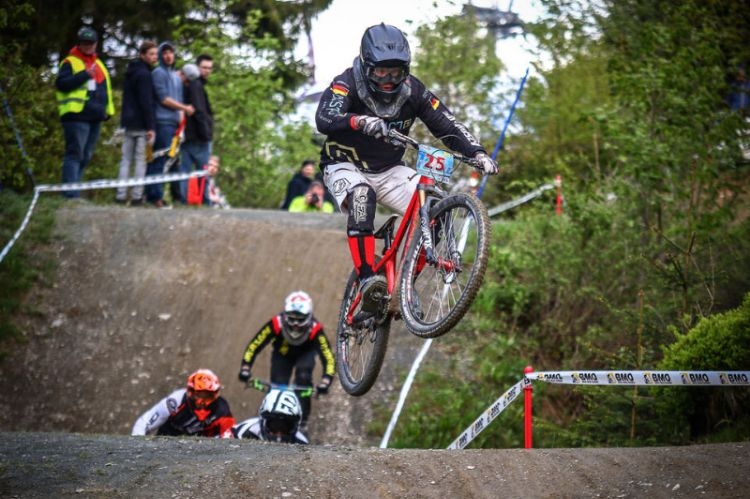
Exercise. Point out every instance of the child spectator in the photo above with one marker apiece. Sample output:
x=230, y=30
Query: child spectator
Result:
x=215, y=198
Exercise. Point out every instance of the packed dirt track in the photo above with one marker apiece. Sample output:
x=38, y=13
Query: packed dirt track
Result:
x=64, y=465
x=141, y=297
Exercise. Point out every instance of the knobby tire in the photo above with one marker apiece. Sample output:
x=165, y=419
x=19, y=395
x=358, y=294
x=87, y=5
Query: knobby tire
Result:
x=359, y=350
x=433, y=300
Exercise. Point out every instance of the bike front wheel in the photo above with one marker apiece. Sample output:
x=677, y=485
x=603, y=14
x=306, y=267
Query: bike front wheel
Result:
x=435, y=295
x=360, y=346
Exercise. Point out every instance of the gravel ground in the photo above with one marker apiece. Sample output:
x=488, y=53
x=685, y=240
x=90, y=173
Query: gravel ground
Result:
x=61, y=465
x=142, y=297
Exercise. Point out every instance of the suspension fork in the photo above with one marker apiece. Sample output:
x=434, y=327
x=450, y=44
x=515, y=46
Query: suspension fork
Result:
x=424, y=223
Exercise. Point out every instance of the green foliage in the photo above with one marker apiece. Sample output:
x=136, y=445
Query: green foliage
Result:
x=634, y=122
x=467, y=80
x=717, y=343
x=123, y=24
x=26, y=263
x=249, y=101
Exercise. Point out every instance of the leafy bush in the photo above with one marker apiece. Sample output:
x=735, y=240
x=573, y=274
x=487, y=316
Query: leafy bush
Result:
x=718, y=343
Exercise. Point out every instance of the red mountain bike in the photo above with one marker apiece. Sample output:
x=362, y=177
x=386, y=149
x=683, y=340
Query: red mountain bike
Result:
x=434, y=264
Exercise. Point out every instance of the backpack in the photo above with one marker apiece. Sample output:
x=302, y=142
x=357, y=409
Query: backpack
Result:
x=196, y=187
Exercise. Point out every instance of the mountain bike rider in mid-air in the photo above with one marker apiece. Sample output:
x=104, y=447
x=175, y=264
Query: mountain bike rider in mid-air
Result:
x=355, y=112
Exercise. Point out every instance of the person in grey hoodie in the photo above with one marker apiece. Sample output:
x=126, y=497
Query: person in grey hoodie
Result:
x=169, y=109
x=137, y=119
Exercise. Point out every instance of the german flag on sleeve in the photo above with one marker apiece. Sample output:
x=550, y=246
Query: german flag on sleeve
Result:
x=339, y=89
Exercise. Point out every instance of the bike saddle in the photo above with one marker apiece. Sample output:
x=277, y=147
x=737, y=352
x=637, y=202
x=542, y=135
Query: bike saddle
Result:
x=386, y=228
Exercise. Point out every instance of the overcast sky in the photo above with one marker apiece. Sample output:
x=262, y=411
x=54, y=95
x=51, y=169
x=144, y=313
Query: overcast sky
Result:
x=336, y=32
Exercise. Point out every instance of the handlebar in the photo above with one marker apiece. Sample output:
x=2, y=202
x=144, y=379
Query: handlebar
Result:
x=266, y=386
x=397, y=137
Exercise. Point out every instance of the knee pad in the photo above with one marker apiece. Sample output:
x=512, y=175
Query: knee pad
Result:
x=361, y=220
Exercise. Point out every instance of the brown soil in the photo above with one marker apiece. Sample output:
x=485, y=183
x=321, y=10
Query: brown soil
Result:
x=142, y=297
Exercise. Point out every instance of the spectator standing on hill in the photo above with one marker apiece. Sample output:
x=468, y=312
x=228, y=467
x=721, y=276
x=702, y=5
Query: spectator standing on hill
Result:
x=169, y=109
x=84, y=100
x=195, y=410
x=196, y=149
x=137, y=119
x=312, y=201
x=296, y=337
x=299, y=183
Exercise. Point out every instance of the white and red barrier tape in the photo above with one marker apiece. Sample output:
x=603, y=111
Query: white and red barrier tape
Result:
x=487, y=416
x=647, y=378
x=604, y=378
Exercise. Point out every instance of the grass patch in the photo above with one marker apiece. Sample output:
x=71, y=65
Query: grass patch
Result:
x=27, y=262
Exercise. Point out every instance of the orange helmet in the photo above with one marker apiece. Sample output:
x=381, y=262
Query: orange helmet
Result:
x=203, y=388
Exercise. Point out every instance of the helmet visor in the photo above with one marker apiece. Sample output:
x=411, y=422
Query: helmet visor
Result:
x=203, y=398
x=280, y=426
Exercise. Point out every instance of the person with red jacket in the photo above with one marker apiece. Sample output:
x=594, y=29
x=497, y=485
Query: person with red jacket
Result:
x=196, y=410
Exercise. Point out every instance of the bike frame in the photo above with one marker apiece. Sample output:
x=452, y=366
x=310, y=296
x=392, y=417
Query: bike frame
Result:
x=401, y=240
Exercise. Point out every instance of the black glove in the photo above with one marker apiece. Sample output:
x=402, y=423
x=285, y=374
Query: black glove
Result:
x=373, y=126
x=323, y=386
x=244, y=374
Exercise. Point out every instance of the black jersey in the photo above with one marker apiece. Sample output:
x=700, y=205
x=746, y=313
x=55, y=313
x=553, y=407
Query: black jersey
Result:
x=341, y=102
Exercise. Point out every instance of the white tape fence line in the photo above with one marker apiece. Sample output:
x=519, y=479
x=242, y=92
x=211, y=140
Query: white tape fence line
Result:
x=93, y=184
x=493, y=411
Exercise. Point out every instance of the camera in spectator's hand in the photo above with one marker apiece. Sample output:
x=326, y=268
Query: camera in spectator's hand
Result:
x=314, y=199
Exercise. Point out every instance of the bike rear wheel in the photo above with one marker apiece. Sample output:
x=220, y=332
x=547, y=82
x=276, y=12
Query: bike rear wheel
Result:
x=360, y=348
x=435, y=296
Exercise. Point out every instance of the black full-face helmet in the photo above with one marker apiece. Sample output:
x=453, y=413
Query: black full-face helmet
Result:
x=385, y=57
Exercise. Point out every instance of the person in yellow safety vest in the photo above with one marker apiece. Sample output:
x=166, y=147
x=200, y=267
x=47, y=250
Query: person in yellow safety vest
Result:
x=84, y=100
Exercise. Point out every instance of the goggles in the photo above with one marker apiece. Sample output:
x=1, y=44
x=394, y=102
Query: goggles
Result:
x=382, y=75
x=280, y=426
x=203, y=398
x=295, y=319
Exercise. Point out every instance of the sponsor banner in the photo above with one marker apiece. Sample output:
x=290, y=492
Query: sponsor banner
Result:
x=94, y=184
x=644, y=378
x=488, y=415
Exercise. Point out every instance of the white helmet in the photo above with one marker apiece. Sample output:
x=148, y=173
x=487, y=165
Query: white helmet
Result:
x=280, y=415
x=297, y=317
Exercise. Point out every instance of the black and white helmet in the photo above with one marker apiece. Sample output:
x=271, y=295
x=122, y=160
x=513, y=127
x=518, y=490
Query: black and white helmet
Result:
x=385, y=46
x=280, y=414
x=297, y=317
